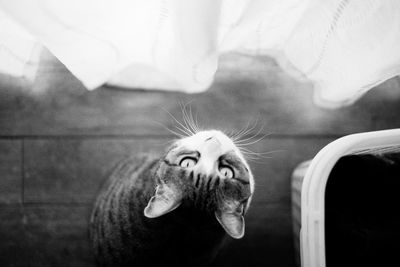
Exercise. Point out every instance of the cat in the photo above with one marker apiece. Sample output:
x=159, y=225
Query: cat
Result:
x=173, y=210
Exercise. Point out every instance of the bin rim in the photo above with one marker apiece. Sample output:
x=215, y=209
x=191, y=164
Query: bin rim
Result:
x=313, y=188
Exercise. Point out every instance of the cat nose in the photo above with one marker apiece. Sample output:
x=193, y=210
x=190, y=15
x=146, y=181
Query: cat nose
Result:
x=213, y=145
x=207, y=167
x=212, y=149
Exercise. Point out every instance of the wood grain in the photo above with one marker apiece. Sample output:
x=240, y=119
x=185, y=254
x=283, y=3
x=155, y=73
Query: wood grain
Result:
x=44, y=236
x=53, y=235
x=58, y=104
x=10, y=171
x=268, y=240
x=58, y=141
x=72, y=171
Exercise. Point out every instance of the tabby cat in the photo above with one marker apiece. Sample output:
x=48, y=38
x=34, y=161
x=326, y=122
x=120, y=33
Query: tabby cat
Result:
x=173, y=210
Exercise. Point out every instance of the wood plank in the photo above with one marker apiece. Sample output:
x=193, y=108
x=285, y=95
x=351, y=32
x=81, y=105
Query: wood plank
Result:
x=268, y=240
x=71, y=171
x=10, y=171
x=58, y=104
x=44, y=236
x=48, y=235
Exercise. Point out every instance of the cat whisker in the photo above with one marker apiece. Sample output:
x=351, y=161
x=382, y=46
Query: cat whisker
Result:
x=248, y=135
x=251, y=142
x=196, y=121
x=243, y=132
x=235, y=136
x=190, y=119
x=248, y=139
x=254, y=160
x=187, y=119
x=258, y=155
x=185, y=132
x=170, y=130
x=193, y=122
x=250, y=153
x=270, y=152
x=244, y=138
x=247, y=130
x=255, y=157
x=183, y=129
x=183, y=111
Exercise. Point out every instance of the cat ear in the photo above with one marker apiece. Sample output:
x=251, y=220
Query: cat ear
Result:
x=232, y=222
x=165, y=200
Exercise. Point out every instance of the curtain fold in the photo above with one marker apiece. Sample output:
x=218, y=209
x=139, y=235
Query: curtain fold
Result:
x=345, y=47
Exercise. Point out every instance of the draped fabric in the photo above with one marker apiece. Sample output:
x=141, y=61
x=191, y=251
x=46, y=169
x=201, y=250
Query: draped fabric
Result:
x=345, y=47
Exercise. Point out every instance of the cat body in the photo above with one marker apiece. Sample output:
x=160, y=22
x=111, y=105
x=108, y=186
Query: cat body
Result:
x=168, y=210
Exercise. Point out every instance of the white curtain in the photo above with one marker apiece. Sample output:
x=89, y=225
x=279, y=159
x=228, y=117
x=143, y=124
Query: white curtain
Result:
x=345, y=47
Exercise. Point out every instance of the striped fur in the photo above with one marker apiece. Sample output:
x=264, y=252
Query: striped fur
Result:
x=187, y=236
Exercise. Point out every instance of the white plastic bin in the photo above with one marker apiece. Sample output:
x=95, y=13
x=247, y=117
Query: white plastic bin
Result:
x=309, y=182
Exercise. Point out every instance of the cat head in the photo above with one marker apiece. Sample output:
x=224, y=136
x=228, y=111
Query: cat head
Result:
x=208, y=170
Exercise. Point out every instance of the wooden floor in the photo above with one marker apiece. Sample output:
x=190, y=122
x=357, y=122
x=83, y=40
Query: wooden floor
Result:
x=57, y=141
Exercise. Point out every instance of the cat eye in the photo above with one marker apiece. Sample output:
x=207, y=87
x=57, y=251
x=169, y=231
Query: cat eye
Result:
x=226, y=172
x=188, y=162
